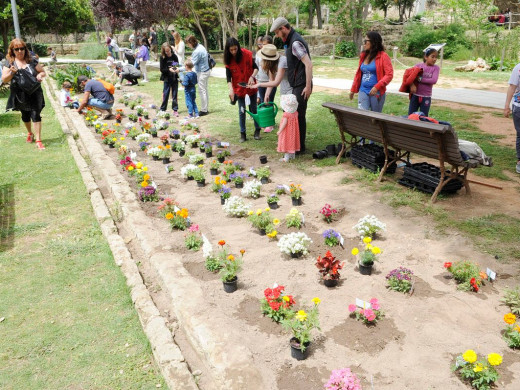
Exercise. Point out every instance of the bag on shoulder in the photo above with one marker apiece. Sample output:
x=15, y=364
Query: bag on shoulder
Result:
x=211, y=61
x=108, y=86
x=26, y=81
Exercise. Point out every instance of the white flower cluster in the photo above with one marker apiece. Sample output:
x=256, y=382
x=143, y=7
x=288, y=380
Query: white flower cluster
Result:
x=196, y=158
x=162, y=124
x=161, y=114
x=187, y=170
x=368, y=226
x=144, y=137
x=128, y=126
x=192, y=138
x=235, y=206
x=252, y=188
x=153, y=151
x=139, y=108
x=293, y=243
x=128, y=95
x=207, y=248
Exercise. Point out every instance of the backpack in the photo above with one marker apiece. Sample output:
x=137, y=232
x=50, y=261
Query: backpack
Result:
x=211, y=61
x=108, y=86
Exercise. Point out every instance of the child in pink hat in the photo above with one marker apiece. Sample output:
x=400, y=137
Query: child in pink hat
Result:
x=289, y=133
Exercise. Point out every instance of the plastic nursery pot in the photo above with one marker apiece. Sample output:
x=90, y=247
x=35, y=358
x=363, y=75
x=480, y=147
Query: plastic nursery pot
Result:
x=273, y=205
x=166, y=160
x=111, y=146
x=195, y=145
x=154, y=135
x=365, y=269
x=213, y=171
x=190, y=177
x=209, y=154
x=296, y=351
x=118, y=120
x=263, y=159
x=262, y=232
x=231, y=286
x=330, y=282
x=222, y=200
x=201, y=183
x=176, y=136
x=239, y=185
x=182, y=153
x=264, y=180
x=296, y=201
x=296, y=255
x=155, y=158
x=221, y=159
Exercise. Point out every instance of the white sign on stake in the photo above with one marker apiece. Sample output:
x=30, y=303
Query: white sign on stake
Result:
x=167, y=169
x=491, y=274
x=362, y=304
x=154, y=185
x=133, y=155
x=341, y=240
x=224, y=144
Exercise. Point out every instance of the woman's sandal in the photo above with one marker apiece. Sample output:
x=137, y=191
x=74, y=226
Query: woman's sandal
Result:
x=30, y=138
x=39, y=145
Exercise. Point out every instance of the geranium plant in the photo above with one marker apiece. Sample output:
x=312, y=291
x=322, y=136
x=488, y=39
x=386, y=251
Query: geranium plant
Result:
x=369, y=226
x=328, y=212
x=276, y=304
x=369, y=314
x=480, y=374
x=467, y=274
x=303, y=323
x=368, y=255
x=193, y=239
x=512, y=331
x=296, y=243
x=235, y=206
x=343, y=379
x=332, y=237
x=329, y=266
x=294, y=218
x=400, y=279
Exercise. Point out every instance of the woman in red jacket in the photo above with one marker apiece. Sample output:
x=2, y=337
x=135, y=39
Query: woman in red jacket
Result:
x=374, y=73
x=239, y=73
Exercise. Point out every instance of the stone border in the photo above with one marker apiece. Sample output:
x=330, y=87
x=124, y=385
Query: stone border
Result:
x=231, y=362
x=166, y=353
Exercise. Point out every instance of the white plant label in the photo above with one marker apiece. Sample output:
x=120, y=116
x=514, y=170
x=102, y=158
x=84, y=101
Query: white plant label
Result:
x=341, y=240
x=491, y=274
x=362, y=304
x=133, y=155
x=224, y=144
x=154, y=185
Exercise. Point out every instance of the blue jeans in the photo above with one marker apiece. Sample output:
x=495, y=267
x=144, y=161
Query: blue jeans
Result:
x=420, y=103
x=190, y=94
x=99, y=104
x=371, y=103
x=516, y=122
x=242, y=112
x=166, y=93
x=261, y=94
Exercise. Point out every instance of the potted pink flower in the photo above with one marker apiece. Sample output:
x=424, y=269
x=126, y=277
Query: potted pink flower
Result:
x=369, y=314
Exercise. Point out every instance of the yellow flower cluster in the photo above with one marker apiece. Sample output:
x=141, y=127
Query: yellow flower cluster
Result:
x=509, y=318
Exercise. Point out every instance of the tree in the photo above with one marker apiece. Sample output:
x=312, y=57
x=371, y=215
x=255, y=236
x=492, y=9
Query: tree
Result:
x=113, y=10
x=383, y=5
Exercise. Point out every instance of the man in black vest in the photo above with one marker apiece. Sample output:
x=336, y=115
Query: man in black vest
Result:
x=299, y=70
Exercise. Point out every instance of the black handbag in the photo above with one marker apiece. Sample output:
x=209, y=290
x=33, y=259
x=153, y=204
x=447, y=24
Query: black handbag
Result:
x=26, y=81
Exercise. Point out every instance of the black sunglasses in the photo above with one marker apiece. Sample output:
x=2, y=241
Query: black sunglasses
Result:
x=18, y=48
x=366, y=40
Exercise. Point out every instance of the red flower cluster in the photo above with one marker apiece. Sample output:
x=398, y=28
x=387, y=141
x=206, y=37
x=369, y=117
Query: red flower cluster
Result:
x=275, y=298
x=127, y=162
x=447, y=265
x=474, y=284
x=328, y=212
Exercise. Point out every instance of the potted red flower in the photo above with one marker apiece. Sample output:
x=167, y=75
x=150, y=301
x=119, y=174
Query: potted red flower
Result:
x=329, y=268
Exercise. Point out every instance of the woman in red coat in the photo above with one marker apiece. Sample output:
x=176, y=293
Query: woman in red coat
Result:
x=374, y=73
x=239, y=73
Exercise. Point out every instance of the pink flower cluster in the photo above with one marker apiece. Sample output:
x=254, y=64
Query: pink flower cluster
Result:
x=193, y=228
x=367, y=315
x=343, y=379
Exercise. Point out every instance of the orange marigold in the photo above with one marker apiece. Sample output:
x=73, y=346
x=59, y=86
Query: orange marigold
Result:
x=169, y=216
x=222, y=242
x=231, y=258
x=509, y=318
x=242, y=251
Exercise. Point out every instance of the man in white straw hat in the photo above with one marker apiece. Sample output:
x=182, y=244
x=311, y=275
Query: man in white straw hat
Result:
x=299, y=69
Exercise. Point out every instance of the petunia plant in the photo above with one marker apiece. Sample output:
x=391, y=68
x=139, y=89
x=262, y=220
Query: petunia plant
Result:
x=369, y=314
x=400, y=279
x=480, y=374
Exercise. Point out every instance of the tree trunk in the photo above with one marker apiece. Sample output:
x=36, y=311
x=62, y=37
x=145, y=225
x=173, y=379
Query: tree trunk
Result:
x=250, y=28
x=5, y=38
x=311, y=15
x=318, y=13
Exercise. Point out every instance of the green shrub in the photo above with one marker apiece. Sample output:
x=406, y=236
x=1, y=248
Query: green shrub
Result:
x=39, y=48
x=70, y=73
x=93, y=51
x=346, y=49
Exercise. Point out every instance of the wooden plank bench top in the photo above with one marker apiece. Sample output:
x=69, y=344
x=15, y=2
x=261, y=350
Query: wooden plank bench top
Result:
x=405, y=136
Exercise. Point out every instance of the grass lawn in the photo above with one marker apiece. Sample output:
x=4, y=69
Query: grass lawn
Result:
x=67, y=318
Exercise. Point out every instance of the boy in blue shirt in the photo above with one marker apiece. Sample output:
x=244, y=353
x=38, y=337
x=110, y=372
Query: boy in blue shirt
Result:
x=189, y=82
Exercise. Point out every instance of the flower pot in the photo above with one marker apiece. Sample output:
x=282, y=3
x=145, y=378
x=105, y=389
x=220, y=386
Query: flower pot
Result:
x=213, y=171
x=296, y=255
x=231, y=286
x=221, y=159
x=139, y=114
x=273, y=205
x=155, y=158
x=146, y=116
x=182, y=153
x=296, y=202
x=330, y=282
x=239, y=185
x=201, y=183
x=263, y=159
x=262, y=232
x=209, y=154
x=365, y=269
x=118, y=120
x=166, y=160
x=195, y=144
x=190, y=177
x=176, y=136
x=154, y=135
x=111, y=146
x=296, y=351
x=264, y=180
x=222, y=200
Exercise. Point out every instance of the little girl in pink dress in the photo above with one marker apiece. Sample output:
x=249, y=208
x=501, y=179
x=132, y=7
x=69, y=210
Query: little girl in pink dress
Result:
x=289, y=133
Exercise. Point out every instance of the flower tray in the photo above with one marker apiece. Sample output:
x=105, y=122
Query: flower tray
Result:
x=425, y=178
x=371, y=157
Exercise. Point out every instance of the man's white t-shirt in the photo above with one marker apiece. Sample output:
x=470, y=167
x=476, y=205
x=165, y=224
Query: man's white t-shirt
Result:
x=515, y=80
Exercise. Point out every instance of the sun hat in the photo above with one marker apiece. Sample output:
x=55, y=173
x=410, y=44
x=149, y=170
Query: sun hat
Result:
x=268, y=52
x=289, y=103
x=278, y=22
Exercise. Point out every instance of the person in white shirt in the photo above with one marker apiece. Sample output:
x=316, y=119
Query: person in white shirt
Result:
x=513, y=93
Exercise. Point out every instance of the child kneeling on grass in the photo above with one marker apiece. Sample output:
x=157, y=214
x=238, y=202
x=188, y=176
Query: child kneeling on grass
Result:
x=289, y=133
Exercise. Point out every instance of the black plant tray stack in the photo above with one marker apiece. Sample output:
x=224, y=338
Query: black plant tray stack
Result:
x=371, y=157
x=425, y=177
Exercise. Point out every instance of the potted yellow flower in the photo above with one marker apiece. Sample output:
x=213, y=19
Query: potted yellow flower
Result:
x=367, y=257
x=301, y=326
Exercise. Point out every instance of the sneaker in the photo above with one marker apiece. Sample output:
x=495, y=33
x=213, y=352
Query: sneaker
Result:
x=39, y=145
x=188, y=117
x=197, y=116
x=176, y=113
x=268, y=129
x=30, y=137
x=518, y=167
x=203, y=113
x=108, y=115
x=144, y=81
